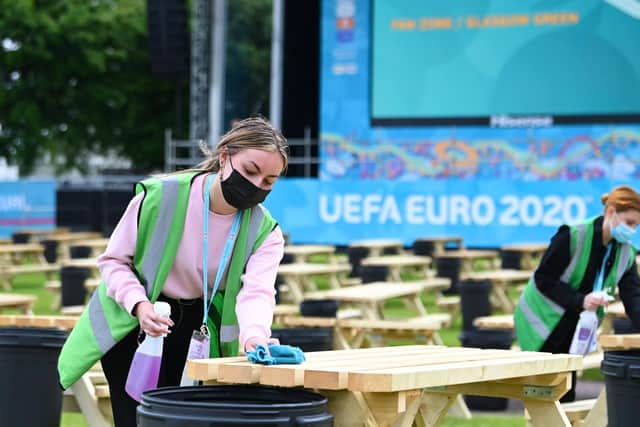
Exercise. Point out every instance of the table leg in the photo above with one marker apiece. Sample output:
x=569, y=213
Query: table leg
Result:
x=546, y=413
x=597, y=416
x=417, y=304
x=501, y=294
x=370, y=311
x=433, y=408
x=394, y=274
x=349, y=409
x=296, y=288
x=334, y=281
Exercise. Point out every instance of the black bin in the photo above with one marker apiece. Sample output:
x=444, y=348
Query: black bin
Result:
x=373, y=273
x=29, y=391
x=20, y=237
x=474, y=301
x=510, y=260
x=72, y=282
x=50, y=250
x=308, y=339
x=232, y=405
x=80, y=251
x=449, y=268
x=424, y=247
x=487, y=338
x=624, y=326
x=355, y=256
x=319, y=307
x=621, y=370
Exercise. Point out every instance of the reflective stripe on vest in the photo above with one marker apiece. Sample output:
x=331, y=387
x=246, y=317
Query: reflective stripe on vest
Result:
x=624, y=261
x=231, y=333
x=153, y=256
x=99, y=324
x=580, y=235
x=535, y=322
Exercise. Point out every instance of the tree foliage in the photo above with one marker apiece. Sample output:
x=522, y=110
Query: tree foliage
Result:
x=76, y=79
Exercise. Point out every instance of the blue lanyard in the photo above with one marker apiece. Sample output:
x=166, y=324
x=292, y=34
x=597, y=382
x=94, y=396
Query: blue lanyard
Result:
x=205, y=252
x=597, y=285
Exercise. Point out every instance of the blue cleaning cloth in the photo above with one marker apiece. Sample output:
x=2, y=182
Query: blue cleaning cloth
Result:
x=280, y=354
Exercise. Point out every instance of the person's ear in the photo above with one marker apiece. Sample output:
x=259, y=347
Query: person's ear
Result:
x=222, y=157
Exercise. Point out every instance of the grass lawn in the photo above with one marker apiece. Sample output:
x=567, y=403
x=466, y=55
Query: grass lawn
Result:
x=33, y=284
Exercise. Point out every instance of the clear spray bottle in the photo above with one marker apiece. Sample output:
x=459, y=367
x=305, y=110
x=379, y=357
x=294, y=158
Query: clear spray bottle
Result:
x=145, y=366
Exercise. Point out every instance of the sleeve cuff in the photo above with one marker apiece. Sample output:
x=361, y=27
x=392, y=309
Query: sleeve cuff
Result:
x=579, y=302
x=251, y=332
x=132, y=299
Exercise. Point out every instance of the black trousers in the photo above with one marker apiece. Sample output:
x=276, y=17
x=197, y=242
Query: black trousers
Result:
x=187, y=316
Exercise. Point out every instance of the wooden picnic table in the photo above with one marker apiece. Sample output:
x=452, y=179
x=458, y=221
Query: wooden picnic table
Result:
x=97, y=245
x=397, y=263
x=399, y=385
x=36, y=235
x=60, y=322
x=356, y=333
x=20, y=302
x=528, y=252
x=468, y=256
x=65, y=240
x=23, y=258
x=18, y=253
x=299, y=277
x=90, y=263
x=616, y=310
x=439, y=243
x=302, y=253
x=500, y=281
x=370, y=298
x=377, y=246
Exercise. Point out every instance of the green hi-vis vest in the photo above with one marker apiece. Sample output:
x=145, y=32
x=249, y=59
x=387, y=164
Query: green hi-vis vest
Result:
x=536, y=316
x=161, y=219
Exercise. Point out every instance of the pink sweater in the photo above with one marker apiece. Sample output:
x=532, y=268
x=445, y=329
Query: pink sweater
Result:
x=256, y=300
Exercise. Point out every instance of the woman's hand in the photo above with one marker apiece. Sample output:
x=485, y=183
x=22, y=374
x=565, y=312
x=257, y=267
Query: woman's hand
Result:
x=594, y=300
x=151, y=323
x=253, y=342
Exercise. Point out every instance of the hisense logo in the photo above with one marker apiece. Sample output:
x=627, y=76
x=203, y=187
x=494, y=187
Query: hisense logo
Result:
x=505, y=121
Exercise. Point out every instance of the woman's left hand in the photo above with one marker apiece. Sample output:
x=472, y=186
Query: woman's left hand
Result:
x=253, y=342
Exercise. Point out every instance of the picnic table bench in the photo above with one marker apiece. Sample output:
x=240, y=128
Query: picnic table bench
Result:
x=302, y=253
x=528, y=253
x=7, y=273
x=399, y=385
x=376, y=247
x=438, y=243
x=65, y=240
x=397, y=263
x=370, y=298
x=18, y=253
x=20, y=302
x=356, y=333
x=468, y=256
x=299, y=277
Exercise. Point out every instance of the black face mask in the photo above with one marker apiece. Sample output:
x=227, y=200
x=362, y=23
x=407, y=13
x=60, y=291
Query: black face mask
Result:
x=241, y=193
